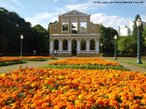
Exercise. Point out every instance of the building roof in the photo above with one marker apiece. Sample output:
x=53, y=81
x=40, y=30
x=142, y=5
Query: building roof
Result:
x=74, y=13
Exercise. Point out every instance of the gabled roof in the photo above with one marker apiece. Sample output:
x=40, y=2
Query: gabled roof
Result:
x=74, y=13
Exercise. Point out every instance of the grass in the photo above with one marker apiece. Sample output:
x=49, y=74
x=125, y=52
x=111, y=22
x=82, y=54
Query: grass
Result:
x=12, y=62
x=85, y=67
x=128, y=60
x=40, y=59
x=25, y=60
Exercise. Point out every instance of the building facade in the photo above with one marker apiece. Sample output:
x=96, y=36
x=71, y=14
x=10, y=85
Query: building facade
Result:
x=124, y=30
x=74, y=34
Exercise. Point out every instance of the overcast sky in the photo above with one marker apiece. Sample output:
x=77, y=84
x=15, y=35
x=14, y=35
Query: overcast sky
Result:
x=110, y=13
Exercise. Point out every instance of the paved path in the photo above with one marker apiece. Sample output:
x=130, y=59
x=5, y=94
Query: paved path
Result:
x=34, y=64
x=133, y=67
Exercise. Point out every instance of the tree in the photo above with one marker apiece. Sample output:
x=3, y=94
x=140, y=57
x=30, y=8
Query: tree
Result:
x=144, y=40
x=126, y=45
x=144, y=36
x=40, y=39
x=107, y=39
x=12, y=26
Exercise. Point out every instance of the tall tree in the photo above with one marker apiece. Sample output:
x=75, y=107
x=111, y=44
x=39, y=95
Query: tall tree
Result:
x=107, y=39
x=12, y=26
x=126, y=45
x=41, y=39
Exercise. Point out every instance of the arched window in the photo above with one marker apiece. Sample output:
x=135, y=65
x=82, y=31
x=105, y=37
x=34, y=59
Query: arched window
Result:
x=65, y=44
x=92, y=44
x=56, y=44
x=83, y=44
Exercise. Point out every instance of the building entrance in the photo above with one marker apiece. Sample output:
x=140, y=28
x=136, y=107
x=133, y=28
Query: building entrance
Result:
x=74, y=47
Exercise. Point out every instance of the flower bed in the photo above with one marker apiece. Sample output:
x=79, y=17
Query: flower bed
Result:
x=4, y=61
x=8, y=59
x=72, y=89
x=37, y=58
x=84, y=63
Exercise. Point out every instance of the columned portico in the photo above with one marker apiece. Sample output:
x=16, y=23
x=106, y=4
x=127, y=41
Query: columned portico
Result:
x=60, y=45
x=74, y=34
x=97, y=45
x=69, y=46
x=51, y=45
x=78, y=46
x=87, y=46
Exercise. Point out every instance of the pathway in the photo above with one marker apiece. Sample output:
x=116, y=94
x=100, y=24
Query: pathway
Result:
x=36, y=64
x=133, y=67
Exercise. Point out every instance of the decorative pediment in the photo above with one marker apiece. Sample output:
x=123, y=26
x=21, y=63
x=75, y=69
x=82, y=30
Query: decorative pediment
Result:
x=74, y=13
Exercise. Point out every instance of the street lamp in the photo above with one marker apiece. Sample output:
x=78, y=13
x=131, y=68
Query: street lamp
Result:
x=34, y=52
x=115, y=53
x=101, y=47
x=138, y=24
x=21, y=37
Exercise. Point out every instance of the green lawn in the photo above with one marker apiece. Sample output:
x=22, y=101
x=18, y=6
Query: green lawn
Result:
x=128, y=60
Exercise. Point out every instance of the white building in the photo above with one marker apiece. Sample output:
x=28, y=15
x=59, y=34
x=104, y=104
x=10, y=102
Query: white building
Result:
x=124, y=30
x=74, y=34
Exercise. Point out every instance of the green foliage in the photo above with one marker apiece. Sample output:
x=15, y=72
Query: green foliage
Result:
x=12, y=62
x=127, y=45
x=40, y=39
x=107, y=39
x=144, y=37
x=85, y=67
x=12, y=26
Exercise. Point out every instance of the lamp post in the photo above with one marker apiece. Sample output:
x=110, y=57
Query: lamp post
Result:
x=101, y=47
x=138, y=24
x=34, y=52
x=115, y=53
x=21, y=38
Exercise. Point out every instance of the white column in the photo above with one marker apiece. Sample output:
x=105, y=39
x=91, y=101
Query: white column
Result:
x=97, y=46
x=78, y=46
x=87, y=46
x=69, y=46
x=51, y=46
x=60, y=45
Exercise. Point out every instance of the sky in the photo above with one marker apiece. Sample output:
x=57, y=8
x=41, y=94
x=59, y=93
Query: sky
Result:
x=110, y=13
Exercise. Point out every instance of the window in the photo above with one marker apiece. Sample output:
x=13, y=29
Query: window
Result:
x=65, y=26
x=83, y=26
x=74, y=27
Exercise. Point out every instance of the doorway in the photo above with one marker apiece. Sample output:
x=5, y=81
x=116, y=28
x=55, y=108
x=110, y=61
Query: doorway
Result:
x=74, y=47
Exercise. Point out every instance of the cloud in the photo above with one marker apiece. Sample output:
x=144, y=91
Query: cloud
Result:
x=82, y=6
x=42, y=18
x=101, y=18
x=109, y=21
x=86, y=6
